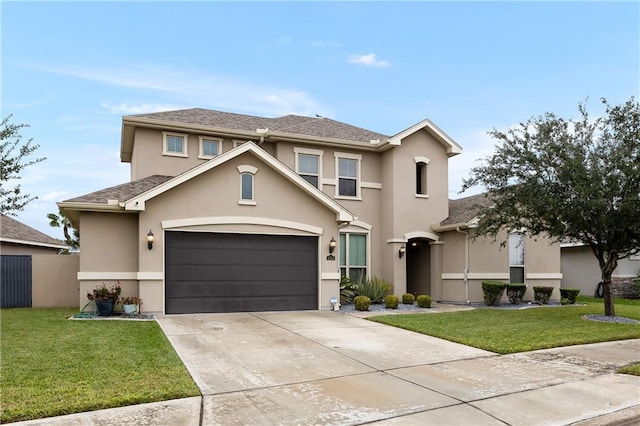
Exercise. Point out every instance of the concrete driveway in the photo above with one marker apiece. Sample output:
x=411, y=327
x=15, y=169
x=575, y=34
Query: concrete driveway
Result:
x=329, y=368
x=326, y=368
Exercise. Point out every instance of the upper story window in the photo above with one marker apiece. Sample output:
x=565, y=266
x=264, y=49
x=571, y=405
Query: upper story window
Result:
x=174, y=144
x=209, y=147
x=348, y=167
x=421, y=177
x=247, y=187
x=309, y=165
x=516, y=258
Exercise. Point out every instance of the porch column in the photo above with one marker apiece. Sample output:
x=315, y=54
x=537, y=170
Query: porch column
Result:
x=436, y=270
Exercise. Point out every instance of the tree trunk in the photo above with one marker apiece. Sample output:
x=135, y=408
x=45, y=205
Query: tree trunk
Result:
x=607, y=270
x=608, y=261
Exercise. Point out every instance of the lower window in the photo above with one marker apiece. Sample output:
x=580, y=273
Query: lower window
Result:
x=353, y=255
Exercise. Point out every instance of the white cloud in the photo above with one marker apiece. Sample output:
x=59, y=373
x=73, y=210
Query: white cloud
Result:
x=194, y=88
x=369, y=60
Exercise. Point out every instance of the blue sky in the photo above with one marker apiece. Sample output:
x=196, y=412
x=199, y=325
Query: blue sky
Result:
x=72, y=70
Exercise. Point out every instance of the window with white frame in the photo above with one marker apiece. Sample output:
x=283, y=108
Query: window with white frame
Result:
x=421, y=176
x=353, y=255
x=174, y=144
x=348, y=168
x=247, y=185
x=516, y=258
x=209, y=147
x=309, y=165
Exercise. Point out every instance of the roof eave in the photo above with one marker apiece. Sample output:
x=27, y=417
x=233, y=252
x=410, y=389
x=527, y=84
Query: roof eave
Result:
x=33, y=243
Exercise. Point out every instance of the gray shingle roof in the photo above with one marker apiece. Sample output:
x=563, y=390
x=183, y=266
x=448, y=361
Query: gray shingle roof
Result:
x=465, y=209
x=15, y=230
x=294, y=124
x=122, y=192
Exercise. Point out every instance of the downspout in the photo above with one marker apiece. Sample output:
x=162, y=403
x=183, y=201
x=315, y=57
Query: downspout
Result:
x=466, y=263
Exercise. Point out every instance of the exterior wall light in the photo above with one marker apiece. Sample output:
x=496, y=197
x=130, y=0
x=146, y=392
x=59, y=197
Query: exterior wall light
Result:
x=332, y=245
x=402, y=251
x=150, y=239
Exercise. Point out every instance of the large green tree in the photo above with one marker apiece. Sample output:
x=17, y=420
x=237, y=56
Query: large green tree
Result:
x=15, y=157
x=571, y=180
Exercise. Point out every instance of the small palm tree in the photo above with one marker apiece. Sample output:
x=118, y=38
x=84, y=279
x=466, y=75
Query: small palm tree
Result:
x=61, y=221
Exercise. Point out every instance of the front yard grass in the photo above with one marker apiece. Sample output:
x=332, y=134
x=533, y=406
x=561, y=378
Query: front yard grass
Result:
x=52, y=366
x=509, y=331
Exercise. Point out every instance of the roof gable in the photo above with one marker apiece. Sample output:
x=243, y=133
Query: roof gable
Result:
x=463, y=212
x=452, y=147
x=137, y=203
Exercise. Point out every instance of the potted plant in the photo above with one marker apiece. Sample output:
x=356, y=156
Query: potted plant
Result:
x=105, y=298
x=131, y=304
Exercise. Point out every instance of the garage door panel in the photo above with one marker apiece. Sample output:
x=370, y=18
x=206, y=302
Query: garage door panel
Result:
x=209, y=272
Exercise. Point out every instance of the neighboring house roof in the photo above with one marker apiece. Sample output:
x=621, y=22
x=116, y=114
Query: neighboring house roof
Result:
x=288, y=127
x=463, y=212
x=15, y=232
x=133, y=195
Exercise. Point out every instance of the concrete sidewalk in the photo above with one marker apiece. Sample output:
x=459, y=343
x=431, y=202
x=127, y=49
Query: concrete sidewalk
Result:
x=328, y=368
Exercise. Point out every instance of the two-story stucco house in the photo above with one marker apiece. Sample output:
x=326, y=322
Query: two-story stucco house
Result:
x=228, y=212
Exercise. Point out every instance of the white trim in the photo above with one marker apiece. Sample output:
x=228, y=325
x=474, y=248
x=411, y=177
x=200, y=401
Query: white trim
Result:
x=348, y=156
x=330, y=276
x=371, y=185
x=33, y=243
x=315, y=152
x=544, y=276
x=452, y=147
x=244, y=168
x=367, y=233
x=108, y=275
x=423, y=196
x=342, y=215
x=247, y=203
x=185, y=144
x=240, y=220
x=421, y=159
x=238, y=142
x=357, y=227
x=150, y=276
x=201, y=139
x=421, y=234
x=397, y=240
x=476, y=276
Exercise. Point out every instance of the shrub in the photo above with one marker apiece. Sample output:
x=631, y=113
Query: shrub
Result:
x=408, y=299
x=391, y=301
x=541, y=294
x=424, y=301
x=493, y=291
x=571, y=294
x=636, y=287
x=347, y=290
x=374, y=288
x=362, y=303
x=564, y=301
x=515, y=292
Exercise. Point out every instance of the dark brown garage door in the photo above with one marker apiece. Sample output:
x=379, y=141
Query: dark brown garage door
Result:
x=209, y=272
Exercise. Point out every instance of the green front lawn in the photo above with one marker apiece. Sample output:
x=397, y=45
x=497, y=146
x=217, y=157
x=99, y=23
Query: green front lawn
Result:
x=52, y=366
x=508, y=331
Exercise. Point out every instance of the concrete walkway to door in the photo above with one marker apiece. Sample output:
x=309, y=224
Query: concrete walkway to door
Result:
x=329, y=368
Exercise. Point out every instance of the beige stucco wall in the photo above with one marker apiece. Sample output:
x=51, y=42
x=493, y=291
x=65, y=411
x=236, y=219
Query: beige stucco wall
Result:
x=110, y=242
x=580, y=269
x=489, y=261
x=276, y=198
x=54, y=280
